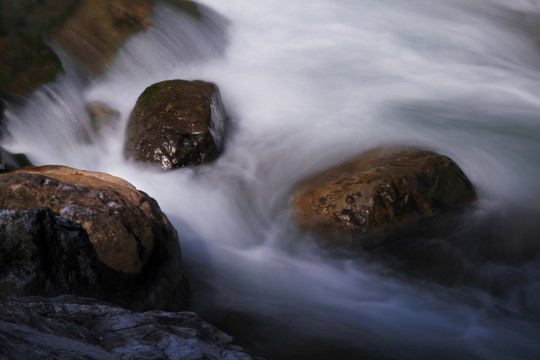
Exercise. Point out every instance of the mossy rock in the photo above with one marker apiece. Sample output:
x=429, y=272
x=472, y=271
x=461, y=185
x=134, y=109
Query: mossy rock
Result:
x=176, y=123
x=26, y=62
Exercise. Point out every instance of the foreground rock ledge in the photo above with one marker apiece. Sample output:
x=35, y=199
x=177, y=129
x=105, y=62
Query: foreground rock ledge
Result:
x=383, y=187
x=176, y=123
x=73, y=328
x=137, y=246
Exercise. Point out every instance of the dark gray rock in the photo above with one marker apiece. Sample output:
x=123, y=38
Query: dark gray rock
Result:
x=12, y=161
x=176, y=123
x=77, y=328
x=44, y=254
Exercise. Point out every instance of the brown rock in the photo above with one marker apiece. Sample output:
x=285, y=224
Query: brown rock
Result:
x=134, y=240
x=25, y=64
x=94, y=32
x=382, y=187
x=176, y=123
x=102, y=116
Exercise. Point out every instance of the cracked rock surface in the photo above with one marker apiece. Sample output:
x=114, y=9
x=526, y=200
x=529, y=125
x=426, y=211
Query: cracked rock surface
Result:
x=75, y=328
x=137, y=246
x=44, y=254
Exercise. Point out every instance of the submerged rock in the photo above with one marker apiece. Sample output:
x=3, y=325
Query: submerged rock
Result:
x=102, y=116
x=176, y=123
x=44, y=254
x=381, y=188
x=13, y=161
x=76, y=328
x=135, y=242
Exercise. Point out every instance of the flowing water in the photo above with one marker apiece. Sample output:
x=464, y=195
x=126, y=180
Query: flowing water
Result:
x=307, y=84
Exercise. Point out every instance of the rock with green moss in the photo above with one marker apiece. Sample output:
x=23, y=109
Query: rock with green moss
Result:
x=176, y=123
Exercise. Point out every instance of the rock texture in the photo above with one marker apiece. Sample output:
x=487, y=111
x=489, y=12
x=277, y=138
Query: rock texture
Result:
x=135, y=242
x=44, y=254
x=176, y=123
x=76, y=328
x=102, y=116
x=92, y=34
x=383, y=187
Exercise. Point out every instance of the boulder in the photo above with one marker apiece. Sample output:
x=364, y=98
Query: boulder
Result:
x=176, y=123
x=44, y=254
x=92, y=34
x=26, y=61
x=71, y=328
x=379, y=189
x=102, y=116
x=137, y=246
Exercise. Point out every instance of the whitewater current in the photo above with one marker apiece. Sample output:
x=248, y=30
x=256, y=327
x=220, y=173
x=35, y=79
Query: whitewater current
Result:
x=307, y=84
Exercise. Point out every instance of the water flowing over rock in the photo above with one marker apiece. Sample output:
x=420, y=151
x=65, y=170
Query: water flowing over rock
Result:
x=93, y=33
x=136, y=244
x=176, y=123
x=77, y=328
x=102, y=116
x=383, y=187
x=26, y=60
x=44, y=254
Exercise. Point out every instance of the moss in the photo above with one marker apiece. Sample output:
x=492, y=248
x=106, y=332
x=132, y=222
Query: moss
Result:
x=150, y=95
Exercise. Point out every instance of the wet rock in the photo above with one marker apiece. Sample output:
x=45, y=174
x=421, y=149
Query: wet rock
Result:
x=13, y=161
x=26, y=61
x=77, y=328
x=2, y=109
x=92, y=34
x=377, y=190
x=176, y=123
x=137, y=246
x=102, y=116
x=44, y=254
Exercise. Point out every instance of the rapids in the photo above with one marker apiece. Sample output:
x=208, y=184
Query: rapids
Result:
x=306, y=84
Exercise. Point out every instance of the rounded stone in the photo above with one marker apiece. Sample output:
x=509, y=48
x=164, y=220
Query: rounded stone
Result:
x=378, y=189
